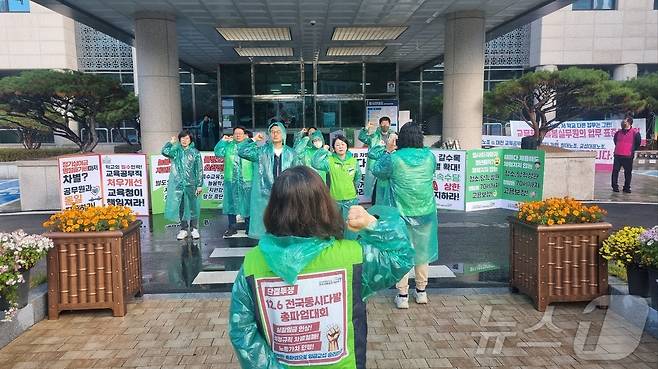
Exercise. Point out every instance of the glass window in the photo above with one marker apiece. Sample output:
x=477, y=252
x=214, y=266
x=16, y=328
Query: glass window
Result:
x=14, y=6
x=339, y=78
x=277, y=79
x=352, y=113
x=236, y=111
x=504, y=74
x=289, y=112
x=309, y=112
x=432, y=75
x=186, y=105
x=308, y=79
x=328, y=114
x=432, y=107
x=206, y=100
x=410, y=98
x=594, y=5
x=378, y=78
x=127, y=78
x=185, y=76
x=236, y=79
x=655, y=4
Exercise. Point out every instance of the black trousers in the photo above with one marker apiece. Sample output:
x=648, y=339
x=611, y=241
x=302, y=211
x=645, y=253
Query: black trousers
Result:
x=627, y=164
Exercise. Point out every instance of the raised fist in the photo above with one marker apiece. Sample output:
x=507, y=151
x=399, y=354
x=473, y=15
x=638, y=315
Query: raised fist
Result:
x=358, y=218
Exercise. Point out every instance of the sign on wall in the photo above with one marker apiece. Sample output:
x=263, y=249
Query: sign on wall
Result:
x=522, y=177
x=483, y=169
x=376, y=109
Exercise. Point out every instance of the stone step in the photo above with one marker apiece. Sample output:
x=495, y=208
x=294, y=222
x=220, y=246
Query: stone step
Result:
x=230, y=252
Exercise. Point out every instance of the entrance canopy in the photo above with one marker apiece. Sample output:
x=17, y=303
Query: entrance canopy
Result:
x=210, y=32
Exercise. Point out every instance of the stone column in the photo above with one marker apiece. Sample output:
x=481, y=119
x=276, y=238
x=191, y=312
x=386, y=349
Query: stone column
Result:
x=464, y=78
x=625, y=72
x=157, y=77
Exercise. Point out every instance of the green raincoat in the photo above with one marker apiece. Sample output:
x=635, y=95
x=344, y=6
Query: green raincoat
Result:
x=380, y=258
x=238, y=173
x=411, y=173
x=263, y=159
x=382, y=192
x=310, y=150
x=185, y=177
x=344, y=176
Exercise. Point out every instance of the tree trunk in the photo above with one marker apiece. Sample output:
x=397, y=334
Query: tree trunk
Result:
x=31, y=139
x=94, y=136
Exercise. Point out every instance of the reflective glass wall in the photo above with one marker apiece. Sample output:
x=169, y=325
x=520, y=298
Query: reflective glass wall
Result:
x=323, y=95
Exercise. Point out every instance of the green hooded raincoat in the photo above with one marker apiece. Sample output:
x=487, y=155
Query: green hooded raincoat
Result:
x=185, y=177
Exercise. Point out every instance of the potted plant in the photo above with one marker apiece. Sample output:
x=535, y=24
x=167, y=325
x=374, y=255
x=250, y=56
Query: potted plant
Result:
x=19, y=252
x=554, y=251
x=96, y=260
x=623, y=246
x=649, y=258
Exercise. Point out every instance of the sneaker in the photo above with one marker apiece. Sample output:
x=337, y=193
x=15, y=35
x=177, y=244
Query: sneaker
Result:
x=421, y=297
x=627, y=191
x=182, y=234
x=195, y=234
x=230, y=232
x=402, y=302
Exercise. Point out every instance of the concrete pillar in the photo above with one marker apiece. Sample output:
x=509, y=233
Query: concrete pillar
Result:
x=625, y=72
x=464, y=78
x=157, y=77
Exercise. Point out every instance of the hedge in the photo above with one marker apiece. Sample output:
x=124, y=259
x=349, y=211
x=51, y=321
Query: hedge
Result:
x=7, y=155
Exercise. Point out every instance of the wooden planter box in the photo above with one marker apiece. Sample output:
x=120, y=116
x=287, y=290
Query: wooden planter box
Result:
x=94, y=270
x=559, y=263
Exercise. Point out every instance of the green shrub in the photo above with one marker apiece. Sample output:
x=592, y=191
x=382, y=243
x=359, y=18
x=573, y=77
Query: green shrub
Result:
x=11, y=154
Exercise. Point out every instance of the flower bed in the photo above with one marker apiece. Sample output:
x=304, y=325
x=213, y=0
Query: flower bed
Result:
x=18, y=253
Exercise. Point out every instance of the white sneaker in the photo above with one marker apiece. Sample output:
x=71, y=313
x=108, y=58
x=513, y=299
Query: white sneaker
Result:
x=182, y=234
x=402, y=302
x=195, y=234
x=421, y=297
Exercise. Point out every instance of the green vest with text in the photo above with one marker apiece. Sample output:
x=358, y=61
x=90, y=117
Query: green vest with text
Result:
x=320, y=321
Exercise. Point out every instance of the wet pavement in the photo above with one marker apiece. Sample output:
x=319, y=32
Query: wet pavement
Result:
x=454, y=330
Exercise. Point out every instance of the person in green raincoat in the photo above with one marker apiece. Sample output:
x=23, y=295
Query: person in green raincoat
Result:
x=410, y=171
x=269, y=160
x=238, y=173
x=315, y=143
x=377, y=188
x=344, y=175
x=303, y=277
x=185, y=184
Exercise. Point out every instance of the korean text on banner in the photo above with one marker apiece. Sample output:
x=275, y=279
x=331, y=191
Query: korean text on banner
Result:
x=159, y=173
x=80, y=181
x=306, y=323
x=361, y=155
x=213, y=181
x=522, y=177
x=124, y=181
x=450, y=179
x=483, y=173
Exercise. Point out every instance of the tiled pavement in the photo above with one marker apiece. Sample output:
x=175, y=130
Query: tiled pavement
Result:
x=192, y=333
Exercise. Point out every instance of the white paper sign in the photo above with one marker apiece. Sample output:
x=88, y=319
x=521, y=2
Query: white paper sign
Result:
x=449, y=179
x=80, y=181
x=124, y=181
x=306, y=323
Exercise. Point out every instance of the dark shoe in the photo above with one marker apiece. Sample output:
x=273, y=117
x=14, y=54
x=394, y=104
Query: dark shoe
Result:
x=615, y=190
x=230, y=232
x=627, y=191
